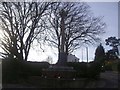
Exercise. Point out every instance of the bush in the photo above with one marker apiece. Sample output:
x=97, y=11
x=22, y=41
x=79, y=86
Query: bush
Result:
x=80, y=68
x=108, y=66
x=91, y=70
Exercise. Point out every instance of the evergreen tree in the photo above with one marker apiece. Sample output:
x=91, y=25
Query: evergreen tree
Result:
x=100, y=54
x=99, y=58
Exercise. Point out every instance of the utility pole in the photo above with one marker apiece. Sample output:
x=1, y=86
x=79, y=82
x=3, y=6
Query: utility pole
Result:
x=87, y=53
x=82, y=54
x=119, y=36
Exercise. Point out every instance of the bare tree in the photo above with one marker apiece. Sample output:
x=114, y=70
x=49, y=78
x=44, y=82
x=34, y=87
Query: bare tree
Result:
x=21, y=23
x=70, y=25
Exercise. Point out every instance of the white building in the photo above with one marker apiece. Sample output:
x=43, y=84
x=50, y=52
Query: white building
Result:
x=72, y=58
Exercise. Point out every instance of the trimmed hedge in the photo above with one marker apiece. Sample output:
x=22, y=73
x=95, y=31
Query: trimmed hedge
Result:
x=14, y=70
x=119, y=65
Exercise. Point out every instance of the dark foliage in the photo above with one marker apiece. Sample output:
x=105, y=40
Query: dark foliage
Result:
x=13, y=71
x=100, y=54
x=86, y=70
x=94, y=70
x=119, y=65
x=100, y=57
x=111, y=55
x=81, y=68
x=108, y=66
x=113, y=42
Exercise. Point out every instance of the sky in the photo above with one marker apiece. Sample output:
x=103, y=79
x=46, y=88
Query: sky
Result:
x=107, y=9
x=110, y=12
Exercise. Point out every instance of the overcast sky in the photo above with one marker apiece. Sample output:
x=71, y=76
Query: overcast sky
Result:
x=110, y=12
x=107, y=9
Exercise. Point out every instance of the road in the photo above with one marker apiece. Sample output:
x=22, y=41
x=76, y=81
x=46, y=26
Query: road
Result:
x=111, y=79
x=108, y=79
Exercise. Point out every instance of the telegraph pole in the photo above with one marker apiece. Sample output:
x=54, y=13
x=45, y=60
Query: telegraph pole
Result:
x=82, y=54
x=87, y=53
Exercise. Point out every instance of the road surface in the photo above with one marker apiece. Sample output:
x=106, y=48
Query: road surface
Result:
x=108, y=79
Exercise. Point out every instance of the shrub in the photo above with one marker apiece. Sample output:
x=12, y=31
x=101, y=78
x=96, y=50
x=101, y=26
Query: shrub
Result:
x=93, y=70
x=108, y=66
x=90, y=70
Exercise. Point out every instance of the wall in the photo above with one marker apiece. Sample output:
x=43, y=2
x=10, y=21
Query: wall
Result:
x=72, y=58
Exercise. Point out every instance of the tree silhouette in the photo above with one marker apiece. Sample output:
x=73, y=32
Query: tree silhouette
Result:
x=114, y=43
x=111, y=55
x=100, y=54
x=70, y=25
x=21, y=23
x=99, y=60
